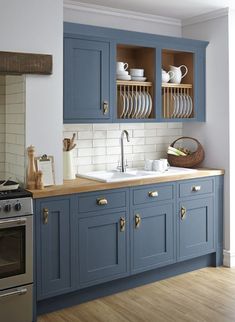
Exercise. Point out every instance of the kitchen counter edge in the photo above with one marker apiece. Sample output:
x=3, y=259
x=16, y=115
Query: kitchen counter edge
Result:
x=80, y=185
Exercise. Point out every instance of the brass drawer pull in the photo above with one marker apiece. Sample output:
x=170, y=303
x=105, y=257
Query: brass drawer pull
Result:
x=122, y=224
x=101, y=201
x=45, y=213
x=196, y=188
x=105, y=107
x=183, y=212
x=153, y=194
x=137, y=221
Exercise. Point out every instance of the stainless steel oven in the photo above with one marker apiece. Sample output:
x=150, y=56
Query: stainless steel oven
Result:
x=16, y=260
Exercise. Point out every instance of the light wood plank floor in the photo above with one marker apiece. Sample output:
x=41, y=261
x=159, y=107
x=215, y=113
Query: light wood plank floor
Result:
x=206, y=295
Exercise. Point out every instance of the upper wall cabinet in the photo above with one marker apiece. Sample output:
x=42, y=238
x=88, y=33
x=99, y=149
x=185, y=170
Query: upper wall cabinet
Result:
x=170, y=88
x=86, y=80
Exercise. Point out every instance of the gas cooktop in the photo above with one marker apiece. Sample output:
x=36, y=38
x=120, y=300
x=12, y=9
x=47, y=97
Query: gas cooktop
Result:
x=15, y=194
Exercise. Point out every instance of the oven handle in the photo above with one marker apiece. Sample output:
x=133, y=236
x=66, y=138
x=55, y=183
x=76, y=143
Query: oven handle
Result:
x=12, y=222
x=19, y=291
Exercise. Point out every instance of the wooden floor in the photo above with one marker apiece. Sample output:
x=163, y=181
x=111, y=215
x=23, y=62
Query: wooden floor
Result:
x=203, y=295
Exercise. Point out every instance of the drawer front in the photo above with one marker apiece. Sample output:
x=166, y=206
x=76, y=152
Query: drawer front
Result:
x=152, y=193
x=102, y=200
x=195, y=188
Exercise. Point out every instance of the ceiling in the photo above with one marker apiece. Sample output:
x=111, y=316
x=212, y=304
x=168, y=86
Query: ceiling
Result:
x=179, y=9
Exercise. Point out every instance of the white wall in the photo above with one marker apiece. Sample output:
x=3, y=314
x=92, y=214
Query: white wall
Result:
x=37, y=26
x=214, y=133
x=231, y=253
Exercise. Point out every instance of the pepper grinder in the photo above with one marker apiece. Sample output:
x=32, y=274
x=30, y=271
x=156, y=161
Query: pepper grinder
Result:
x=31, y=173
x=39, y=180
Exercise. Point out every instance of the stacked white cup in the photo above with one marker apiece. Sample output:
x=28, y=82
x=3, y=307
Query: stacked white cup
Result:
x=161, y=165
x=121, y=71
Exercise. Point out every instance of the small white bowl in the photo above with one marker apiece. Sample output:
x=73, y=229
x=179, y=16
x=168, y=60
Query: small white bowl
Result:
x=137, y=72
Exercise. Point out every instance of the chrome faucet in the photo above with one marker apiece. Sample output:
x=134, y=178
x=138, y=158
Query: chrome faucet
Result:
x=123, y=165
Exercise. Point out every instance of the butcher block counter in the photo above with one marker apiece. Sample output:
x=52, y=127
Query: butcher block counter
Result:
x=79, y=185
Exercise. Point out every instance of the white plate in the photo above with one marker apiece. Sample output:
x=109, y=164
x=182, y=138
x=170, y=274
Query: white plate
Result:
x=130, y=105
x=138, y=78
x=122, y=105
x=138, y=105
x=146, y=105
x=124, y=77
x=190, y=106
x=127, y=105
x=142, y=112
x=135, y=105
x=150, y=105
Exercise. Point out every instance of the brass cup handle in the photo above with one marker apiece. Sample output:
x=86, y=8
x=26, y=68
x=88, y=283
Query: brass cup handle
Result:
x=137, y=221
x=153, y=194
x=122, y=224
x=45, y=213
x=101, y=201
x=183, y=212
x=105, y=107
x=196, y=188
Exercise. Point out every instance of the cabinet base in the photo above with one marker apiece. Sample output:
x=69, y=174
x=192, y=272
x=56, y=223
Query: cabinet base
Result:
x=94, y=292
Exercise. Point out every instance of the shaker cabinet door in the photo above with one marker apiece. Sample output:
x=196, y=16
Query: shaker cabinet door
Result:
x=53, y=219
x=196, y=227
x=86, y=80
x=152, y=237
x=102, y=248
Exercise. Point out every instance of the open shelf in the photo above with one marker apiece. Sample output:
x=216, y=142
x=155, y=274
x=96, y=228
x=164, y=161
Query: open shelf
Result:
x=134, y=83
x=136, y=91
x=178, y=99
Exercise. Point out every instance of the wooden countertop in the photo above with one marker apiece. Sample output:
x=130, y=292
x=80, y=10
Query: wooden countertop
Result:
x=85, y=185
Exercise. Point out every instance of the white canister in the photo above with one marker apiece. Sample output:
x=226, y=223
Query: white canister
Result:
x=68, y=168
x=148, y=165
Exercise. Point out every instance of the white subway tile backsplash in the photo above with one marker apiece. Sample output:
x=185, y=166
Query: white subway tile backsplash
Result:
x=84, y=143
x=99, y=134
x=105, y=126
x=83, y=135
x=98, y=145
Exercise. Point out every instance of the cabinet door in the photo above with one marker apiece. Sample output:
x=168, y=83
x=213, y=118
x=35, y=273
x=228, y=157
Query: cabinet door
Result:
x=102, y=248
x=53, y=247
x=86, y=80
x=153, y=237
x=196, y=227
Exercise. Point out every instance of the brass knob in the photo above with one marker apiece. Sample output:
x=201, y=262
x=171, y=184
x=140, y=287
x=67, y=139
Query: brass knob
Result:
x=105, y=107
x=183, y=212
x=137, y=221
x=196, y=188
x=153, y=194
x=101, y=201
x=122, y=224
x=45, y=213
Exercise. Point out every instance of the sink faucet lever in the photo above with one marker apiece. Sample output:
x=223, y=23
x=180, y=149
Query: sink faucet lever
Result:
x=124, y=133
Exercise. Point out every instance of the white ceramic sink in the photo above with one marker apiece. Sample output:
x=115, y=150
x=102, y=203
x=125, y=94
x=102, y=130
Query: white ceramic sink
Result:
x=131, y=174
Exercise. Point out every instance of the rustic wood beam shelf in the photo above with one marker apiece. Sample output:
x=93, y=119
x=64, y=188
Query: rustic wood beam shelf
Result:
x=13, y=63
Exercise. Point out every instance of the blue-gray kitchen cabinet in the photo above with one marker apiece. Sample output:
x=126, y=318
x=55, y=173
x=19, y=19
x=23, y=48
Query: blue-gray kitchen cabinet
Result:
x=196, y=217
x=103, y=236
x=196, y=227
x=152, y=237
x=86, y=79
x=90, y=55
x=54, y=246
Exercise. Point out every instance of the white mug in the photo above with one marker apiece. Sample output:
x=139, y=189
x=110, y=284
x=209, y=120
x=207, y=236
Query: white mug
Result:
x=148, y=165
x=121, y=66
x=165, y=163
x=160, y=165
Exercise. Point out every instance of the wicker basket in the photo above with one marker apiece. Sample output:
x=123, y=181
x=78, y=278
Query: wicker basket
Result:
x=188, y=161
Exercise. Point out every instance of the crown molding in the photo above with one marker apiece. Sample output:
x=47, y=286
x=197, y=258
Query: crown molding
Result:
x=91, y=8
x=205, y=17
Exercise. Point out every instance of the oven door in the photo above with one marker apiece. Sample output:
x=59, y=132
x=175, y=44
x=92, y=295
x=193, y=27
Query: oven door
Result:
x=16, y=251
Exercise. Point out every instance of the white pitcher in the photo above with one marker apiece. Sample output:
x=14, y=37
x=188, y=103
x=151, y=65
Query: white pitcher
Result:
x=178, y=73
